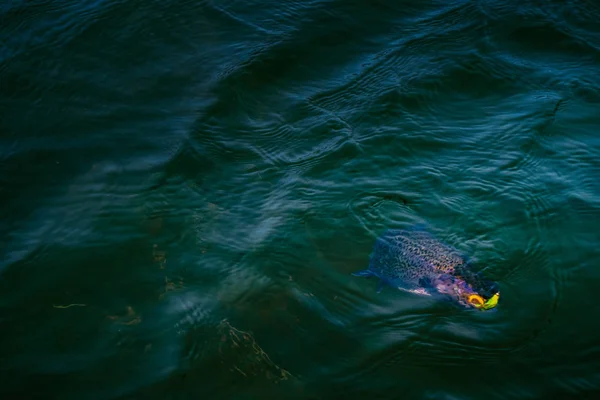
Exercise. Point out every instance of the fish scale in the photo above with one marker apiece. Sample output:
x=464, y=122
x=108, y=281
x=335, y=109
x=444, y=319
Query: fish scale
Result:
x=405, y=258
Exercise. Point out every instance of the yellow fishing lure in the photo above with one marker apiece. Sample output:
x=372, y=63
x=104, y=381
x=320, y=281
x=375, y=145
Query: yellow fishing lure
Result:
x=478, y=302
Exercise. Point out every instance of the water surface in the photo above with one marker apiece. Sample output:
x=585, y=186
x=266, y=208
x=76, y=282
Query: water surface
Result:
x=186, y=186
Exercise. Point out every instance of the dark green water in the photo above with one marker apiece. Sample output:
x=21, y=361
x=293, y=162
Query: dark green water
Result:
x=186, y=186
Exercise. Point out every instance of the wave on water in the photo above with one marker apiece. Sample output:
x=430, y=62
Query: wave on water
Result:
x=187, y=186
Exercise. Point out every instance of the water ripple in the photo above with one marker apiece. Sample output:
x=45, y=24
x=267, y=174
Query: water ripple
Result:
x=215, y=170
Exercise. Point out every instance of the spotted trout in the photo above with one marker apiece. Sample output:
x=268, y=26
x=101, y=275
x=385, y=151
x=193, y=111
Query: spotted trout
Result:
x=416, y=261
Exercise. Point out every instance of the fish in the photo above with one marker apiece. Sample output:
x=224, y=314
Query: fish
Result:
x=416, y=261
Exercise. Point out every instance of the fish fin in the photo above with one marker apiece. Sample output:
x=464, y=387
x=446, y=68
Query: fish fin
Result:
x=419, y=291
x=380, y=285
x=364, y=272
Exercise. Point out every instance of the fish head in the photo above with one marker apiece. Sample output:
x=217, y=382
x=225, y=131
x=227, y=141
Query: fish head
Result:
x=481, y=298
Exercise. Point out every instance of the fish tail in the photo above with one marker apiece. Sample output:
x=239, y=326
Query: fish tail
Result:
x=364, y=272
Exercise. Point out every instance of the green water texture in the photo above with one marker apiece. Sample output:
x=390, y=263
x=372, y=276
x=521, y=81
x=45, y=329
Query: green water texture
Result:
x=187, y=186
